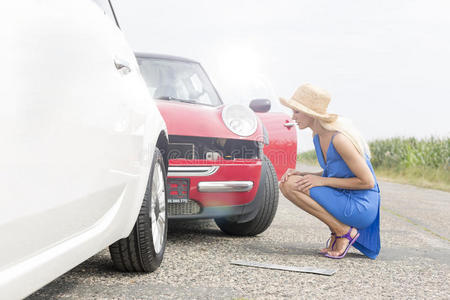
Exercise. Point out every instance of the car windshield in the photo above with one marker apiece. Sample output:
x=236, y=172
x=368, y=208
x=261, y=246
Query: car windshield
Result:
x=178, y=81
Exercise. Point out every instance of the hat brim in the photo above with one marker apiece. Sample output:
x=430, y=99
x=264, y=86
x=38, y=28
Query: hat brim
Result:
x=292, y=104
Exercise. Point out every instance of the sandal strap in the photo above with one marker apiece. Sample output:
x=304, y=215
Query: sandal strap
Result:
x=328, y=241
x=347, y=235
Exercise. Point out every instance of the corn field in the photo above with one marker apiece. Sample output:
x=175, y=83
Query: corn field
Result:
x=401, y=153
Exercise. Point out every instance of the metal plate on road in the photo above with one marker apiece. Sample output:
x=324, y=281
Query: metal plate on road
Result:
x=312, y=270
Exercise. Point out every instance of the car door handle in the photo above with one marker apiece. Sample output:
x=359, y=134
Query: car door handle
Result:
x=122, y=66
x=289, y=124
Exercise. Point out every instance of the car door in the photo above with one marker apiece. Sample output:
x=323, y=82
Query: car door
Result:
x=72, y=117
x=282, y=147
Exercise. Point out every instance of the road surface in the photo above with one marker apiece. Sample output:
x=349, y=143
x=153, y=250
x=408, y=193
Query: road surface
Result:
x=414, y=261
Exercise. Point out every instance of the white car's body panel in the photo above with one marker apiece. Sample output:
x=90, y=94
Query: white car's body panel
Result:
x=77, y=135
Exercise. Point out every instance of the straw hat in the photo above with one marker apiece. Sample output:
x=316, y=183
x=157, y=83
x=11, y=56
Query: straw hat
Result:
x=312, y=101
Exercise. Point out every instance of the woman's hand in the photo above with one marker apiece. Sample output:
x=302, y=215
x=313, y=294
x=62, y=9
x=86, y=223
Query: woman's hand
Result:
x=288, y=173
x=308, y=181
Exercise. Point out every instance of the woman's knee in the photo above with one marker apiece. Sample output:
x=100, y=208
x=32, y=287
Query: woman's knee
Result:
x=289, y=186
x=284, y=189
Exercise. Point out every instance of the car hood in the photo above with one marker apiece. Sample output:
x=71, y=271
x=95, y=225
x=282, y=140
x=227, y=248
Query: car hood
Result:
x=199, y=120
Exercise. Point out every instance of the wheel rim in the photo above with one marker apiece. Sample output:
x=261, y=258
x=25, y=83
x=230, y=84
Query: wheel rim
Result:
x=158, y=208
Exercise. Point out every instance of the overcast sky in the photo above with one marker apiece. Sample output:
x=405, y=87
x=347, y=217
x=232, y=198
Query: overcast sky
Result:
x=385, y=63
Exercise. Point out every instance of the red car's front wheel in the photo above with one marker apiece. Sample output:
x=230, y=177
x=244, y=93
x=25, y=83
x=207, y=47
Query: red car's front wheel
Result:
x=267, y=210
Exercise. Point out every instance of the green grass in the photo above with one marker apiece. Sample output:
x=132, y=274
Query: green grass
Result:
x=308, y=157
x=421, y=162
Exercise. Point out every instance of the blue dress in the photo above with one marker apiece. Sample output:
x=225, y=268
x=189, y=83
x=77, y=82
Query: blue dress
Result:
x=357, y=208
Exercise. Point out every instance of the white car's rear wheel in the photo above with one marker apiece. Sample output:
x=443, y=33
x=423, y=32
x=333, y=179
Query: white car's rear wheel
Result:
x=143, y=249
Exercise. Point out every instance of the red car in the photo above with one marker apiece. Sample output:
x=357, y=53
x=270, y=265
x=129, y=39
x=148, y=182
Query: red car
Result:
x=224, y=160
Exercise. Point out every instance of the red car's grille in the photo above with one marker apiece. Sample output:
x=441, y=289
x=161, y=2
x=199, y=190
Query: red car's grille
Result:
x=185, y=208
x=189, y=147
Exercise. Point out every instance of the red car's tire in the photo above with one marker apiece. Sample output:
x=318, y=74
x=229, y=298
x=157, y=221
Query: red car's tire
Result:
x=267, y=210
x=143, y=249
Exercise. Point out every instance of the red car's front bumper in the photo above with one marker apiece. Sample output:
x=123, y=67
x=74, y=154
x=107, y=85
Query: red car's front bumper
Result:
x=219, y=187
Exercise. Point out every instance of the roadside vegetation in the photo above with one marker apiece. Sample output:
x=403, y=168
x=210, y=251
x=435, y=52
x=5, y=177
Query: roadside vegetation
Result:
x=421, y=162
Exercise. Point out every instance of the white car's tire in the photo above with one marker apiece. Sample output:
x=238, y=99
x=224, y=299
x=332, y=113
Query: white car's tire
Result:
x=143, y=249
x=267, y=210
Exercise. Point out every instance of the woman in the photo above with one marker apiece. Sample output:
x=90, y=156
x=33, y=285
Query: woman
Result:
x=345, y=196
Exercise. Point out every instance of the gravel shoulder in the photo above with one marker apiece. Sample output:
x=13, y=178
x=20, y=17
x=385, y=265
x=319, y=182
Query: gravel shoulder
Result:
x=414, y=261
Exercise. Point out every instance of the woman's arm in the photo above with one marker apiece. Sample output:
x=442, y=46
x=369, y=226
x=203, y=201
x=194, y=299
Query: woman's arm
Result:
x=363, y=177
x=313, y=173
x=346, y=183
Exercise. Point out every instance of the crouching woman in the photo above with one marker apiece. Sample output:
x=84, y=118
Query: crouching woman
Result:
x=345, y=196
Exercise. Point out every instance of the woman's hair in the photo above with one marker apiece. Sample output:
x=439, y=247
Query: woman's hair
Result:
x=345, y=126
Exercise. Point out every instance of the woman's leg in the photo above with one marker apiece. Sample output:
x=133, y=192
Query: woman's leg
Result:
x=305, y=202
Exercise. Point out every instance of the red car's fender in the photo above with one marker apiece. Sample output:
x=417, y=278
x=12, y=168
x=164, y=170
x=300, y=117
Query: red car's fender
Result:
x=199, y=120
x=282, y=148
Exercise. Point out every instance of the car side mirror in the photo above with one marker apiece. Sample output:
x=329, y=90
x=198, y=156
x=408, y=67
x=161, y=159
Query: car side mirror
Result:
x=260, y=105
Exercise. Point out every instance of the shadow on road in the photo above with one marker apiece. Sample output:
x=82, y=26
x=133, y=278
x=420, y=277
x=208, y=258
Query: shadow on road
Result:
x=99, y=266
x=181, y=229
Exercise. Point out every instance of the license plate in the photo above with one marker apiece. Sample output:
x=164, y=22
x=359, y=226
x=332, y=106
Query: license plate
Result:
x=178, y=190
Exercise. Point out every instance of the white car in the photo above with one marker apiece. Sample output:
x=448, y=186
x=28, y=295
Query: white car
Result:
x=80, y=166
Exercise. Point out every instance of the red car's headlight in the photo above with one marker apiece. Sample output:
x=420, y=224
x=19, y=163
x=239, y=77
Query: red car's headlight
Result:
x=240, y=119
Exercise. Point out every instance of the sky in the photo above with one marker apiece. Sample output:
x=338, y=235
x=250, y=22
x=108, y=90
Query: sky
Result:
x=385, y=63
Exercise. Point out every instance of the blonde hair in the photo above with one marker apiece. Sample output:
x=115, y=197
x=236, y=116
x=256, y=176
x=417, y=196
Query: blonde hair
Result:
x=346, y=127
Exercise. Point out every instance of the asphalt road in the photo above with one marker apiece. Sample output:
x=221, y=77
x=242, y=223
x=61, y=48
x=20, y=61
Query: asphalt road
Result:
x=414, y=261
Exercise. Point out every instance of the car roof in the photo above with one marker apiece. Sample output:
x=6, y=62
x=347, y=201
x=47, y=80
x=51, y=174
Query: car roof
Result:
x=164, y=57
